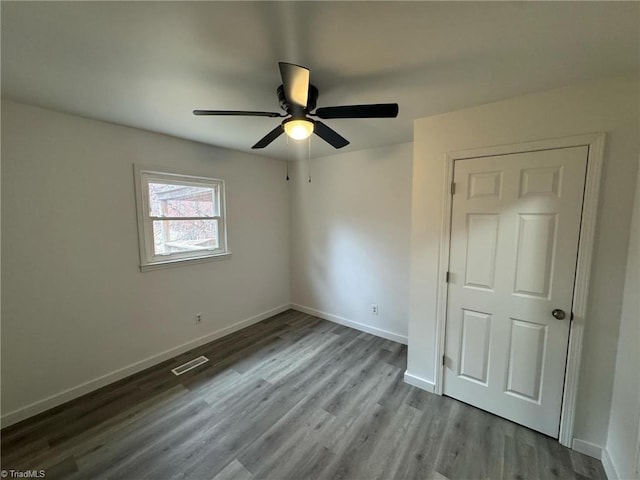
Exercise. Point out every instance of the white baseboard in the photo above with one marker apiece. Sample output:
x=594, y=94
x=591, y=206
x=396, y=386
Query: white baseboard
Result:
x=59, y=398
x=609, y=466
x=419, y=382
x=588, y=448
x=350, y=323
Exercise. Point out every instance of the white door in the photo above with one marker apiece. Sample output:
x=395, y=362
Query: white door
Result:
x=514, y=240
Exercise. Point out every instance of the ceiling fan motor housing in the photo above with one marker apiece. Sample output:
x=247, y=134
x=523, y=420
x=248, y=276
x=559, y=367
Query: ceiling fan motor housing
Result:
x=295, y=110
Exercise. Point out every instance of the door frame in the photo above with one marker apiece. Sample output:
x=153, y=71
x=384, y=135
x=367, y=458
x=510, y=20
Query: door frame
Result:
x=595, y=143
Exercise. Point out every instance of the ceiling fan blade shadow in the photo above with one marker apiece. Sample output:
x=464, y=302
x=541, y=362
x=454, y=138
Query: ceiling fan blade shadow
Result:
x=295, y=80
x=329, y=135
x=374, y=110
x=244, y=113
x=269, y=137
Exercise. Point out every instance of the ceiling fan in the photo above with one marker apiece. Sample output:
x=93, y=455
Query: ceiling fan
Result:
x=297, y=98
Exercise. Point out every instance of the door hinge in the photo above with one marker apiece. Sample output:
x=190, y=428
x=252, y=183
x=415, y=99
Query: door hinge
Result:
x=447, y=277
x=444, y=360
x=571, y=316
x=453, y=188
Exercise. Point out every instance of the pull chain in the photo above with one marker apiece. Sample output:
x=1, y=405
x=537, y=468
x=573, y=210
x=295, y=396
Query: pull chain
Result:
x=309, y=157
x=287, y=158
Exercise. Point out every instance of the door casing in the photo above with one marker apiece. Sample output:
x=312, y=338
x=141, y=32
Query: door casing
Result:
x=595, y=143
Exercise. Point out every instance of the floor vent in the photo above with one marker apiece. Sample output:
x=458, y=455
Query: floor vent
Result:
x=190, y=365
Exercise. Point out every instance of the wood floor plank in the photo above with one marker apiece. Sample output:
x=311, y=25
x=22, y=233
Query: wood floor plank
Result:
x=328, y=381
x=383, y=439
x=286, y=394
x=586, y=466
x=119, y=452
x=418, y=454
x=292, y=397
x=309, y=464
x=520, y=460
x=278, y=447
x=234, y=471
x=62, y=469
x=122, y=425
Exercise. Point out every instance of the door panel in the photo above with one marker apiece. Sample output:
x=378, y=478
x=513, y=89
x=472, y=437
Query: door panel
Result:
x=482, y=233
x=534, y=254
x=486, y=184
x=515, y=223
x=474, y=351
x=525, y=359
x=541, y=181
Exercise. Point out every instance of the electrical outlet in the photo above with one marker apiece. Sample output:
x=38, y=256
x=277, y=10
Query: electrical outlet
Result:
x=374, y=309
x=198, y=318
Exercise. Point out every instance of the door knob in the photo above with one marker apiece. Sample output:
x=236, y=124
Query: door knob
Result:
x=558, y=314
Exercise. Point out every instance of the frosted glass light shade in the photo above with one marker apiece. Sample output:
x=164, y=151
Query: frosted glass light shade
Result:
x=298, y=129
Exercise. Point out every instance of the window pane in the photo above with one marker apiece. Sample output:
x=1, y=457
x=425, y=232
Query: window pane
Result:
x=179, y=236
x=181, y=201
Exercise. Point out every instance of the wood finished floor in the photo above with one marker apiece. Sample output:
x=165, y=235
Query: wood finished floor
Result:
x=293, y=397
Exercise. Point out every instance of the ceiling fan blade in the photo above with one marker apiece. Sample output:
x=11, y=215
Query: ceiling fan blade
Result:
x=269, y=137
x=329, y=135
x=376, y=110
x=244, y=113
x=295, y=80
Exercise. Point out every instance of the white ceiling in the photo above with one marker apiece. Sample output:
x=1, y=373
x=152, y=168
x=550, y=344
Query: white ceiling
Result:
x=149, y=64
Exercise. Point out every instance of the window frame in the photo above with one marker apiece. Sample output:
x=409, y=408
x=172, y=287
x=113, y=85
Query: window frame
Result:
x=148, y=259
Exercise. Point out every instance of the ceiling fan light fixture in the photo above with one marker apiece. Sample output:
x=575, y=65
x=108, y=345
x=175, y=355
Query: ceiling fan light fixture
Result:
x=298, y=128
x=297, y=97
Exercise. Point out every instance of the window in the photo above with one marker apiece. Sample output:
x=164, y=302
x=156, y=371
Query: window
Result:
x=181, y=218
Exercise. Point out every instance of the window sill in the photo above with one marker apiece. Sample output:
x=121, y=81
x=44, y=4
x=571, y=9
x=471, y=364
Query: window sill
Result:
x=150, y=267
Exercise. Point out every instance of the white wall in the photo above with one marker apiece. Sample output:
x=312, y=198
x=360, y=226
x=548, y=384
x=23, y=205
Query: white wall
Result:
x=350, y=230
x=624, y=421
x=608, y=106
x=75, y=305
